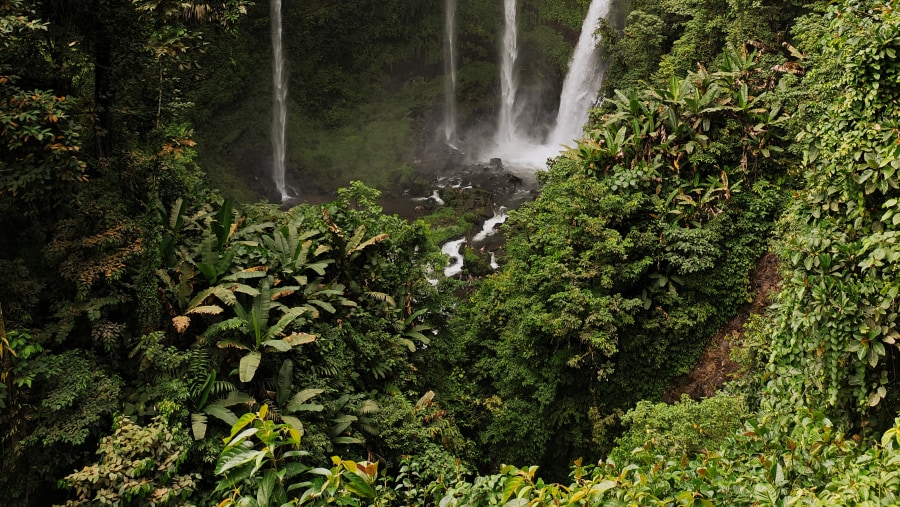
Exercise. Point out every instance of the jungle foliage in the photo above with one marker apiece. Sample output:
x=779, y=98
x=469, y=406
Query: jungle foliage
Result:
x=636, y=252
x=163, y=345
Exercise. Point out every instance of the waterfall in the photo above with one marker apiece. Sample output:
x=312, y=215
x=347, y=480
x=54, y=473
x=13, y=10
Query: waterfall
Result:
x=450, y=73
x=279, y=112
x=580, y=88
x=582, y=82
x=506, y=128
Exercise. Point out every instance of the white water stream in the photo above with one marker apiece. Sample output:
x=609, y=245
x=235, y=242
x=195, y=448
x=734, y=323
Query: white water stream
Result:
x=489, y=227
x=452, y=248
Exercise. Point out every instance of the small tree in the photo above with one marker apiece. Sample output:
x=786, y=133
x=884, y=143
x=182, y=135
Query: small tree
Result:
x=138, y=466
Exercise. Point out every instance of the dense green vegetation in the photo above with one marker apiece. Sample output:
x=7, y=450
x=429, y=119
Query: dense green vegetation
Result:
x=161, y=344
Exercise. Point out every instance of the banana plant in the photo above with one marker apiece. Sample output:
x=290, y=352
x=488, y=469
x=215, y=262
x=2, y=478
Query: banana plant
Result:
x=293, y=250
x=251, y=321
x=342, y=419
x=408, y=330
x=287, y=406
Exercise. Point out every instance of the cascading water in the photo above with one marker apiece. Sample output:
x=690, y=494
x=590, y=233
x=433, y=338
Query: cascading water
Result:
x=506, y=126
x=580, y=88
x=450, y=135
x=583, y=80
x=279, y=81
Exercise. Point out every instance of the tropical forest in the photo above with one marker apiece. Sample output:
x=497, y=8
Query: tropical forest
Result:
x=449, y=253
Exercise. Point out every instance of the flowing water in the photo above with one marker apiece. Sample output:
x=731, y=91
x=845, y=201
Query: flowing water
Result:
x=509, y=51
x=451, y=249
x=489, y=227
x=580, y=88
x=279, y=110
x=582, y=82
x=450, y=135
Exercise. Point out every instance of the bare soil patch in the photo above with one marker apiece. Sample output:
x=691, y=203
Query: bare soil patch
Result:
x=715, y=366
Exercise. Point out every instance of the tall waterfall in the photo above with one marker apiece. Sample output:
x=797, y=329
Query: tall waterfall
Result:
x=279, y=81
x=580, y=88
x=582, y=82
x=506, y=127
x=450, y=135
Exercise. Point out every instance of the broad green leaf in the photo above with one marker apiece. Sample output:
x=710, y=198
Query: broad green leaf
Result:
x=285, y=320
x=347, y=440
x=356, y=484
x=243, y=435
x=224, y=344
x=284, y=382
x=198, y=425
x=277, y=344
x=242, y=457
x=295, y=339
x=294, y=423
x=248, y=366
x=265, y=488
x=300, y=398
x=240, y=424
x=221, y=413
x=509, y=488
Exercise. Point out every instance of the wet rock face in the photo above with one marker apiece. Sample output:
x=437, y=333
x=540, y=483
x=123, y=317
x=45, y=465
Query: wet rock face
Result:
x=477, y=188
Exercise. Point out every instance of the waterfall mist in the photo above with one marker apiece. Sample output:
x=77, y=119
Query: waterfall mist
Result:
x=580, y=88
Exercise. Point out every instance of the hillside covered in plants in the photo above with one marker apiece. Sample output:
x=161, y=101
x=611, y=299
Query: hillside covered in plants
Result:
x=168, y=339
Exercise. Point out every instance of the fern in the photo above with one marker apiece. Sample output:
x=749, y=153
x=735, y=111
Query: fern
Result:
x=224, y=326
x=382, y=297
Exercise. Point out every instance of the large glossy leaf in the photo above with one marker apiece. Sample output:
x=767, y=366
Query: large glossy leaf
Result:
x=293, y=422
x=248, y=366
x=285, y=381
x=356, y=484
x=198, y=426
x=299, y=338
x=221, y=413
x=298, y=401
x=241, y=423
x=285, y=320
x=266, y=488
x=242, y=436
x=341, y=423
x=278, y=344
x=236, y=456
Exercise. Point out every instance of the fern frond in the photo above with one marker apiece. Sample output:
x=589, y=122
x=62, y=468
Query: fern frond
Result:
x=225, y=325
x=368, y=407
x=382, y=297
x=222, y=387
x=205, y=310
